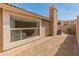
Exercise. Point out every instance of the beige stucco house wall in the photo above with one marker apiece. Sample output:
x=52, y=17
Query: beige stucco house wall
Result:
x=6, y=11
x=7, y=44
x=65, y=25
x=53, y=17
x=77, y=30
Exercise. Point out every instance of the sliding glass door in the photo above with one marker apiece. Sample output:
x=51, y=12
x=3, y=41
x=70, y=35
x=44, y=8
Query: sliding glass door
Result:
x=21, y=30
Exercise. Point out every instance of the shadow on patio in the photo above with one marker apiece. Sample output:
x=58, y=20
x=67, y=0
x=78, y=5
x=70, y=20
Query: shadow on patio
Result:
x=69, y=47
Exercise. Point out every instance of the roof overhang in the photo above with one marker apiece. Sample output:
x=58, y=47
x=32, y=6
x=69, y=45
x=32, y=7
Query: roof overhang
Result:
x=22, y=11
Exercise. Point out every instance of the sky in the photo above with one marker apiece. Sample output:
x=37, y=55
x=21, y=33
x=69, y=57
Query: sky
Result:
x=66, y=11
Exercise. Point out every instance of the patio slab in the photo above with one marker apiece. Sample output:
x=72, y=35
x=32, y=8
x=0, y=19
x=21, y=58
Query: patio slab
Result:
x=59, y=45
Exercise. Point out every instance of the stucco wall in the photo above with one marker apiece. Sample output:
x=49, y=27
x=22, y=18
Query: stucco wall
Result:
x=67, y=25
x=77, y=29
x=1, y=29
x=53, y=17
x=7, y=44
x=71, y=27
x=46, y=25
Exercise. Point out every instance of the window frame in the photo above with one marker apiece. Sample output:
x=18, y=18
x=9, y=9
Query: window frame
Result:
x=21, y=29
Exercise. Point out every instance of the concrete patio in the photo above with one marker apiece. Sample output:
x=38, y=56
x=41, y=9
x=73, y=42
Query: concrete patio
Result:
x=60, y=45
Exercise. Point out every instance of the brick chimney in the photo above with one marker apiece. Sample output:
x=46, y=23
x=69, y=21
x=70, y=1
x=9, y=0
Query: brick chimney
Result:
x=53, y=17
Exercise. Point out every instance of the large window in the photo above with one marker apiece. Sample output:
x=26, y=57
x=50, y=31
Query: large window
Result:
x=23, y=29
